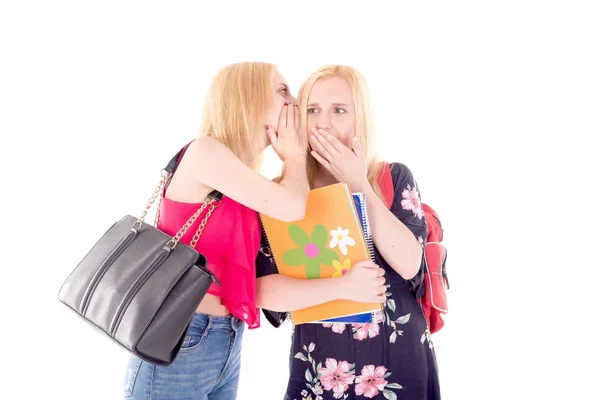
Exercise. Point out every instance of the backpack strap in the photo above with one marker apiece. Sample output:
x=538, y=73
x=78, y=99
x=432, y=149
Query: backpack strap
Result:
x=386, y=185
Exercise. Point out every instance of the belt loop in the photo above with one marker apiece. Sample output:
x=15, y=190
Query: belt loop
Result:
x=208, y=325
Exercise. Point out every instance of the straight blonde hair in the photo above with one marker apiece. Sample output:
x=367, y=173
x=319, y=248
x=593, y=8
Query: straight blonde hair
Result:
x=235, y=105
x=365, y=130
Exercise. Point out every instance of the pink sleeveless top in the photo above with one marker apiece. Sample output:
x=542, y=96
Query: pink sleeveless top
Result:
x=230, y=242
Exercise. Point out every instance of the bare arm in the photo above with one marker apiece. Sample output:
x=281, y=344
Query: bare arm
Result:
x=216, y=166
x=220, y=169
x=396, y=243
x=282, y=293
x=364, y=283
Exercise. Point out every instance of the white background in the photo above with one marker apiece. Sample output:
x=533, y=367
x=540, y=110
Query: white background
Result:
x=493, y=105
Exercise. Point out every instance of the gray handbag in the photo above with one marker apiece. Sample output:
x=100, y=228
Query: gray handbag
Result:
x=140, y=286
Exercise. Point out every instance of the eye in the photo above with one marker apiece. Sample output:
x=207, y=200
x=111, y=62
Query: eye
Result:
x=312, y=110
x=283, y=89
x=339, y=110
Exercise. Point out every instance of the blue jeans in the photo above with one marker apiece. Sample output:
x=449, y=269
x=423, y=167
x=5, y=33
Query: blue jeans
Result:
x=206, y=368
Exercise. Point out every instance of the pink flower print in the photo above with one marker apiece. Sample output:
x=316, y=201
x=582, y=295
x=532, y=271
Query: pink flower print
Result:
x=362, y=331
x=378, y=317
x=336, y=376
x=371, y=381
x=412, y=202
x=336, y=327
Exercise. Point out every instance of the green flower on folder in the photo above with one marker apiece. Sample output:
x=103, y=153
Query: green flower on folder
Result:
x=311, y=251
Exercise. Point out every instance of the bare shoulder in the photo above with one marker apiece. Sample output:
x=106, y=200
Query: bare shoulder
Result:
x=204, y=154
x=188, y=183
x=207, y=149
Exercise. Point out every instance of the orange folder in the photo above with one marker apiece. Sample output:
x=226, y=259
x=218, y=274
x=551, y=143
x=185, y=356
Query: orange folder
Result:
x=324, y=244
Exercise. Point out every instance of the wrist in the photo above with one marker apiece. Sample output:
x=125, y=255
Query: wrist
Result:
x=295, y=160
x=294, y=173
x=338, y=288
x=295, y=166
x=365, y=188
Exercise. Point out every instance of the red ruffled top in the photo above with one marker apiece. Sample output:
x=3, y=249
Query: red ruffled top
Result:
x=230, y=243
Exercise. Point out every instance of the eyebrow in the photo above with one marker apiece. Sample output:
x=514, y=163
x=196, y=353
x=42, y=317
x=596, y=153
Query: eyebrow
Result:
x=333, y=104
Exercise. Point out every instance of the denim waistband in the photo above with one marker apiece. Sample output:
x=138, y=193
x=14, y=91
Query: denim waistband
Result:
x=206, y=321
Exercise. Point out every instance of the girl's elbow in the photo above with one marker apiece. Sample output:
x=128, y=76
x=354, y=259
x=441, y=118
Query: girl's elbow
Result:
x=265, y=295
x=298, y=213
x=262, y=294
x=408, y=275
x=267, y=303
x=295, y=211
x=413, y=268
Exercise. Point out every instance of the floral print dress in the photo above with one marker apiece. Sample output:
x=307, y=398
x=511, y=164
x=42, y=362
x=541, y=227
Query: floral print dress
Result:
x=392, y=358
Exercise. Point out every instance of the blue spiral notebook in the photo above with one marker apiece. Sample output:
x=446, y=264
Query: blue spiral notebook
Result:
x=361, y=207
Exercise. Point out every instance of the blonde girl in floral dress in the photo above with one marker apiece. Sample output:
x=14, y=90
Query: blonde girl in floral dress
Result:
x=393, y=357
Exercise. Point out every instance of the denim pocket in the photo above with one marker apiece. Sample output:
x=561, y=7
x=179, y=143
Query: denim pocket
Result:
x=132, y=372
x=193, y=340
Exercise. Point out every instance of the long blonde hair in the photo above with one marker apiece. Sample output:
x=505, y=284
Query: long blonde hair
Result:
x=365, y=130
x=235, y=104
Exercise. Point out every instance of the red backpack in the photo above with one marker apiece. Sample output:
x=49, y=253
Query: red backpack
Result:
x=434, y=302
x=435, y=280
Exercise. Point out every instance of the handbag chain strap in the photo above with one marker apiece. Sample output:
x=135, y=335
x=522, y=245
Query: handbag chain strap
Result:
x=209, y=202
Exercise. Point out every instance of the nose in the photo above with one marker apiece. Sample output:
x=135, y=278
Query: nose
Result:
x=324, y=121
x=292, y=99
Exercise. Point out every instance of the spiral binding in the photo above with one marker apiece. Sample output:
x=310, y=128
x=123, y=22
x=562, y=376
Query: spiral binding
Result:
x=366, y=226
x=365, y=223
